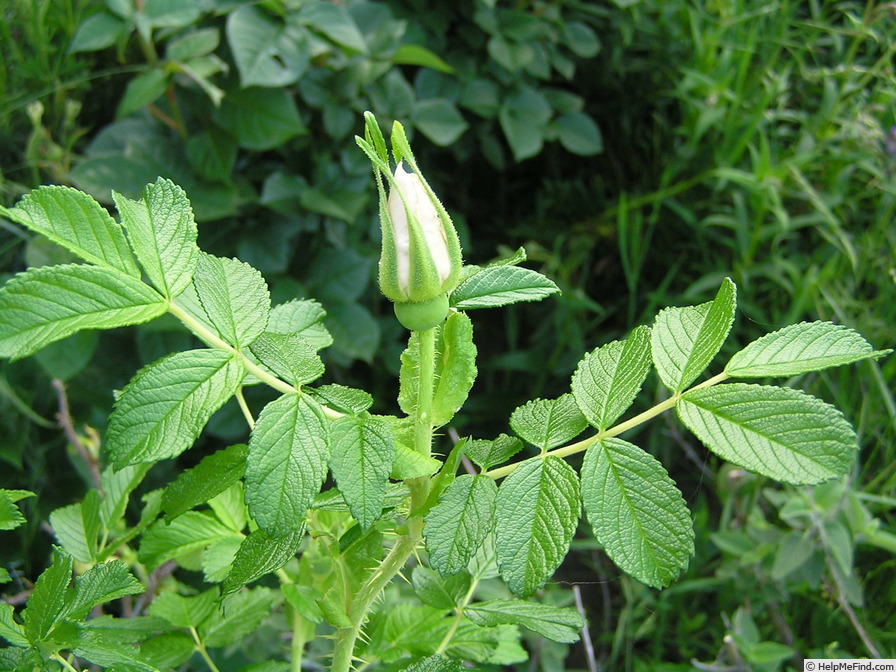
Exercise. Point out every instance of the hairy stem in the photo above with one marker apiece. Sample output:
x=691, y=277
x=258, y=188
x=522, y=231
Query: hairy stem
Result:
x=362, y=601
x=393, y=563
x=251, y=367
x=616, y=430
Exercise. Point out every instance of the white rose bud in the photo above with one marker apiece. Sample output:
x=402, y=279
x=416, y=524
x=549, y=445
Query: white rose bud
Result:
x=421, y=257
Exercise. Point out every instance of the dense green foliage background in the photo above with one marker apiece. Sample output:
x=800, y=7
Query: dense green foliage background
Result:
x=640, y=151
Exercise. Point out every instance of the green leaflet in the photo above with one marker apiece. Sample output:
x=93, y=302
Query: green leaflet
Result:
x=302, y=317
x=48, y=599
x=548, y=423
x=10, y=630
x=261, y=554
x=536, y=514
x=488, y=454
x=190, y=532
x=439, y=592
x=800, y=348
x=116, y=486
x=341, y=398
x=455, y=369
x=502, y=285
x=214, y=474
x=78, y=223
x=636, y=511
x=184, y=612
x=290, y=356
x=556, y=623
x=361, y=455
x=97, y=649
x=411, y=464
x=165, y=406
x=235, y=298
x=239, y=615
x=77, y=526
x=608, y=379
x=267, y=52
x=163, y=234
x=456, y=526
x=778, y=432
x=43, y=305
x=684, y=340
x=436, y=664
x=287, y=463
x=100, y=584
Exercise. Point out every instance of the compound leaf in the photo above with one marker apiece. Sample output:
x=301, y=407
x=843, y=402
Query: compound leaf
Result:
x=287, y=464
x=361, y=454
x=778, y=432
x=547, y=423
x=800, y=348
x=162, y=410
x=78, y=223
x=457, y=526
x=235, y=298
x=560, y=624
x=214, y=474
x=684, y=340
x=536, y=514
x=607, y=380
x=636, y=511
x=46, y=304
x=502, y=285
x=163, y=234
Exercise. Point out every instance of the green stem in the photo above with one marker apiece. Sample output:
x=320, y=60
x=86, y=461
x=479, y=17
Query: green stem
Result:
x=200, y=647
x=426, y=341
x=616, y=430
x=343, y=653
x=62, y=661
x=391, y=565
x=458, y=617
x=244, y=407
x=423, y=413
x=215, y=341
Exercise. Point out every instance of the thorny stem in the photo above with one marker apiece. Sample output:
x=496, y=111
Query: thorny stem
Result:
x=391, y=565
x=343, y=653
x=616, y=430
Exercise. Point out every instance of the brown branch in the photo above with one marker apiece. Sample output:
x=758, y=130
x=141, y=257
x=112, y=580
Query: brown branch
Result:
x=64, y=419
